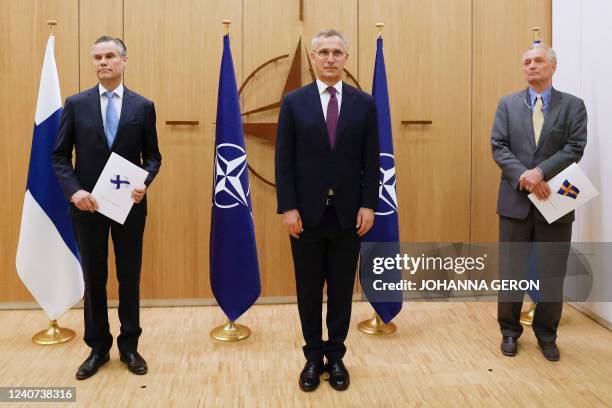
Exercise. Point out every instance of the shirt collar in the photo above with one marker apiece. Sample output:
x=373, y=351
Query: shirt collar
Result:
x=545, y=96
x=118, y=90
x=323, y=86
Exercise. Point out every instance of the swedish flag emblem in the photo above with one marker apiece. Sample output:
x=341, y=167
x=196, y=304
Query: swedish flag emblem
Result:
x=569, y=190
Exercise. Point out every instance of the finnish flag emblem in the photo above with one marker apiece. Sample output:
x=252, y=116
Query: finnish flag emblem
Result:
x=118, y=182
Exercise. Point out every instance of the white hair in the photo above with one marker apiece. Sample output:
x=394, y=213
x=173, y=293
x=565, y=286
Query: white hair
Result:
x=547, y=48
x=330, y=32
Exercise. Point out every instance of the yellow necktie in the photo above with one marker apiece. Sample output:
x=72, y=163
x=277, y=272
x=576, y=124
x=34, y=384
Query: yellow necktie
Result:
x=538, y=119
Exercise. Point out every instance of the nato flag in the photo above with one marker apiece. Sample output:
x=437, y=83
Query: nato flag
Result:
x=386, y=226
x=234, y=270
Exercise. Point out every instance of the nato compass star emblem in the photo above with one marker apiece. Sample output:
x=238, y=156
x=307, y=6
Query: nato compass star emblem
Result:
x=231, y=185
x=387, y=197
x=266, y=131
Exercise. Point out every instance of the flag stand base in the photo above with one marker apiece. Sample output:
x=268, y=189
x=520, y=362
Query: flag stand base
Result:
x=527, y=317
x=230, y=332
x=53, y=335
x=376, y=327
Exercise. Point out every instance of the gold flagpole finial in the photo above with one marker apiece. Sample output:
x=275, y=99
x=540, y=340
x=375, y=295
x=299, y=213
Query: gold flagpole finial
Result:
x=51, y=23
x=536, y=34
x=380, y=27
x=226, y=23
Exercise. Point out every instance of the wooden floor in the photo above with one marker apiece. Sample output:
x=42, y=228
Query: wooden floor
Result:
x=444, y=354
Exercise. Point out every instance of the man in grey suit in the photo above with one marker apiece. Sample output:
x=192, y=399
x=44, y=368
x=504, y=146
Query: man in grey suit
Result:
x=537, y=133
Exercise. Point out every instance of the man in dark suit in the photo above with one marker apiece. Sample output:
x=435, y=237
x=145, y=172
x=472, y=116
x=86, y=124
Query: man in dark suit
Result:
x=104, y=119
x=327, y=164
x=538, y=132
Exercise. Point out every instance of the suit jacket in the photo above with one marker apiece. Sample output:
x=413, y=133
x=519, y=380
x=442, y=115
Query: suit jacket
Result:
x=307, y=166
x=562, y=142
x=81, y=127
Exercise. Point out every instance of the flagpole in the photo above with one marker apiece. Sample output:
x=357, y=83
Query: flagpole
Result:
x=230, y=331
x=226, y=23
x=380, y=27
x=375, y=326
x=51, y=24
x=54, y=334
x=537, y=39
x=527, y=316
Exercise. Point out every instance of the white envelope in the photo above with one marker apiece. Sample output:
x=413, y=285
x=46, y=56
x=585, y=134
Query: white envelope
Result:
x=570, y=189
x=113, y=190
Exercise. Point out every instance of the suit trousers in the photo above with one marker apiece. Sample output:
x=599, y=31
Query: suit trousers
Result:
x=548, y=259
x=92, y=230
x=323, y=254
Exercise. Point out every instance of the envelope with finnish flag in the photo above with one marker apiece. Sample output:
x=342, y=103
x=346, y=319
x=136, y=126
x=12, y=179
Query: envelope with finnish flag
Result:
x=113, y=190
x=570, y=189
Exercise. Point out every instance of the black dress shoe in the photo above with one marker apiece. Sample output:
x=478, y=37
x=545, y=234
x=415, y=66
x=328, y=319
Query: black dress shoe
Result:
x=338, y=375
x=509, y=346
x=90, y=365
x=550, y=350
x=135, y=363
x=309, y=377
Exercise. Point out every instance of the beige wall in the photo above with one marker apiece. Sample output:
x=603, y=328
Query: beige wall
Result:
x=447, y=61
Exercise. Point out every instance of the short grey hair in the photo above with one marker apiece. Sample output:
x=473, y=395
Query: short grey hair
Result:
x=547, y=48
x=330, y=32
x=118, y=42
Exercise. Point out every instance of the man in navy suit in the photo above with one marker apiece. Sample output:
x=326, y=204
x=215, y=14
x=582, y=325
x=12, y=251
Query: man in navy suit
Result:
x=107, y=118
x=327, y=165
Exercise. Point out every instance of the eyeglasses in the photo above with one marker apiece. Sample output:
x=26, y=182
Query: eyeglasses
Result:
x=528, y=104
x=324, y=53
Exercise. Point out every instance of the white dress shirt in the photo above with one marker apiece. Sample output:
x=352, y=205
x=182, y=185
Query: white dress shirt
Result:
x=117, y=101
x=325, y=96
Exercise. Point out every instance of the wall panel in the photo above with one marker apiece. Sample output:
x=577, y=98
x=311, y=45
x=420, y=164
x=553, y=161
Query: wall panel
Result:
x=427, y=51
x=95, y=20
x=175, y=51
x=281, y=34
x=502, y=31
x=448, y=61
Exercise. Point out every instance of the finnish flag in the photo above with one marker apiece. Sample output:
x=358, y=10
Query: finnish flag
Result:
x=48, y=260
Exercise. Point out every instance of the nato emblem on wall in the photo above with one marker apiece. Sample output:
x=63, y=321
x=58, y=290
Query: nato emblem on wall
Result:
x=266, y=131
